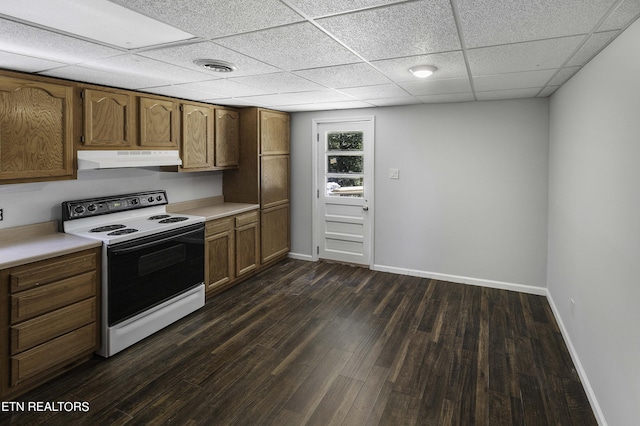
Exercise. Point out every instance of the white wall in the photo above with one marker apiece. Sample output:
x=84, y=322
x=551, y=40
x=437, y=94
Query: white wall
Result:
x=471, y=200
x=29, y=203
x=594, y=222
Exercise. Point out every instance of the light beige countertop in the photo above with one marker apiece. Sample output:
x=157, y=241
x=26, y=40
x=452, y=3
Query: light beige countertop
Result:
x=211, y=208
x=30, y=243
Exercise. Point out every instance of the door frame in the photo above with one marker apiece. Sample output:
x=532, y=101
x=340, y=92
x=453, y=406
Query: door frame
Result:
x=314, y=213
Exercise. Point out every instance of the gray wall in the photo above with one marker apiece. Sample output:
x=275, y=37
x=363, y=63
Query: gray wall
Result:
x=29, y=203
x=594, y=222
x=471, y=200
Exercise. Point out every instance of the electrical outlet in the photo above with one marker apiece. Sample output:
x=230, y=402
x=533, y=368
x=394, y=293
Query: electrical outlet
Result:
x=1, y=214
x=394, y=174
x=573, y=308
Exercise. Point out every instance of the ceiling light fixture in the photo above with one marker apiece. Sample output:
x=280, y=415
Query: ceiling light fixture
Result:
x=215, y=65
x=422, y=71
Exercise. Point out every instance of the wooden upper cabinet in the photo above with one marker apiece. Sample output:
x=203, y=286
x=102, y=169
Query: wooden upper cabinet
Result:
x=108, y=119
x=197, y=137
x=227, y=137
x=274, y=132
x=158, y=123
x=36, y=131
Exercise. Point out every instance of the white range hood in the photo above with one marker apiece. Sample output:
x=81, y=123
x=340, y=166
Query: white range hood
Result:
x=114, y=159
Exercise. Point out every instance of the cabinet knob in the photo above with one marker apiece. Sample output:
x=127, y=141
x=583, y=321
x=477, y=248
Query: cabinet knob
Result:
x=365, y=208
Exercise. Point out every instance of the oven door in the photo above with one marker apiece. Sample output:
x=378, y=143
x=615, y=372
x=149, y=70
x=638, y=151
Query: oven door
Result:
x=145, y=272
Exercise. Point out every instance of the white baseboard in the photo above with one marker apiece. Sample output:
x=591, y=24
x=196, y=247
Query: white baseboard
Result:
x=597, y=411
x=300, y=256
x=522, y=288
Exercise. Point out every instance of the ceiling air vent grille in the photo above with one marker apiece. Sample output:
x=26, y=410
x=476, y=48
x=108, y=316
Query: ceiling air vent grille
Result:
x=215, y=65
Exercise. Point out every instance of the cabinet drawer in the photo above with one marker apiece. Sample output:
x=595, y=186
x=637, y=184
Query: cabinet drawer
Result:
x=246, y=218
x=23, y=278
x=28, y=304
x=57, y=351
x=219, y=225
x=49, y=326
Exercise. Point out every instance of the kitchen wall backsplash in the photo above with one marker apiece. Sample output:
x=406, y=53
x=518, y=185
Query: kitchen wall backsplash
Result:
x=28, y=203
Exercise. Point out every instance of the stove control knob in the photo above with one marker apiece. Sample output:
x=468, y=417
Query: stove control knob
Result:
x=150, y=199
x=159, y=198
x=92, y=207
x=78, y=209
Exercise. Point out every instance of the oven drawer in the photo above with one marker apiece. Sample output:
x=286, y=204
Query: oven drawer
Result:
x=62, y=349
x=40, y=300
x=218, y=226
x=44, y=272
x=38, y=330
x=246, y=218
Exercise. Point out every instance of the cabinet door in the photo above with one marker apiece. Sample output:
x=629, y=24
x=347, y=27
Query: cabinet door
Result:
x=197, y=137
x=219, y=251
x=36, y=130
x=108, y=118
x=247, y=247
x=274, y=132
x=158, y=123
x=274, y=238
x=227, y=137
x=274, y=180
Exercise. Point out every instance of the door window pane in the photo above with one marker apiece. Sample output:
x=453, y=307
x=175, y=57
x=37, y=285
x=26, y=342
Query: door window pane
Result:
x=345, y=187
x=344, y=163
x=344, y=141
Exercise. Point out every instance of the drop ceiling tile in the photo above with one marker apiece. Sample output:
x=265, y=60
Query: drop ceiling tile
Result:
x=88, y=75
x=269, y=100
x=450, y=97
x=342, y=76
x=323, y=106
x=507, y=94
x=185, y=55
x=517, y=80
x=450, y=65
x=317, y=96
x=593, y=45
x=234, y=102
x=625, y=13
x=222, y=88
x=38, y=43
x=529, y=56
x=215, y=18
x=492, y=22
x=563, y=75
x=376, y=92
x=26, y=63
x=403, y=100
x=179, y=91
x=292, y=47
x=279, y=83
x=156, y=71
x=315, y=8
x=402, y=29
x=547, y=91
x=437, y=87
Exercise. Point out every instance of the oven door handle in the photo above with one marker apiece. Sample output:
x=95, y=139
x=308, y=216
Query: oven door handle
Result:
x=117, y=251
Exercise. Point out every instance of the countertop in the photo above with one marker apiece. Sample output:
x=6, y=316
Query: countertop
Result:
x=211, y=208
x=31, y=243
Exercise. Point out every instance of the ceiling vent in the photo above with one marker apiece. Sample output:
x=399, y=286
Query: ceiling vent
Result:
x=215, y=65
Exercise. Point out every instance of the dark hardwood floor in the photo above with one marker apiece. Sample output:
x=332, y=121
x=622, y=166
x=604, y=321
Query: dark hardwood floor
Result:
x=320, y=344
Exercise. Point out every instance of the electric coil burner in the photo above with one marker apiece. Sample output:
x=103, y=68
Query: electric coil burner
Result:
x=152, y=263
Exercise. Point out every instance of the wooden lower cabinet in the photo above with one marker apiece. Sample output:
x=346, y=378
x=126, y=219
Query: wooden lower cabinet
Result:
x=52, y=321
x=275, y=236
x=231, y=250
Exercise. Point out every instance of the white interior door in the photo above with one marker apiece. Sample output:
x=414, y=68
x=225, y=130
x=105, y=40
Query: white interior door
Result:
x=344, y=208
